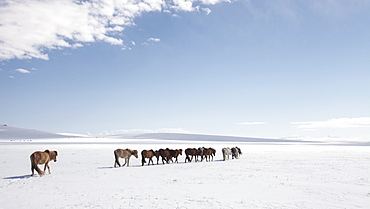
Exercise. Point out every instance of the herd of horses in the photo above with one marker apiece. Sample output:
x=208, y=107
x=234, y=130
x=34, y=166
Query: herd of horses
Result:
x=167, y=156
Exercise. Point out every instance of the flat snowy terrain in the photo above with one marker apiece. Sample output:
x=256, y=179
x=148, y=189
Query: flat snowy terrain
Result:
x=269, y=174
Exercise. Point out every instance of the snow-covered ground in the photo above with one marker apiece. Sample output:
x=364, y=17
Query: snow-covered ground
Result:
x=268, y=175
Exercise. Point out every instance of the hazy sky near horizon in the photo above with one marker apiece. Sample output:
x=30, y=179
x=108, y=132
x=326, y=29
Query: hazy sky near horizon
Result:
x=261, y=68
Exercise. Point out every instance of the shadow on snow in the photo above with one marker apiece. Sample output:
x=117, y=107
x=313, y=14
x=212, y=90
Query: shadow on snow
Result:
x=19, y=177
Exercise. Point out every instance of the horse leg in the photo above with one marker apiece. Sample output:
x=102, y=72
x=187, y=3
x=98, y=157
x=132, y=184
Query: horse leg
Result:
x=46, y=166
x=117, y=163
x=163, y=160
x=143, y=161
x=125, y=162
x=33, y=170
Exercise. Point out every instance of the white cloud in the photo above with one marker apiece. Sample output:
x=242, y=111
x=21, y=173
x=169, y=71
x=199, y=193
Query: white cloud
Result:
x=206, y=10
x=184, y=5
x=11, y=77
x=29, y=28
x=335, y=123
x=252, y=123
x=154, y=40
x=20, y=70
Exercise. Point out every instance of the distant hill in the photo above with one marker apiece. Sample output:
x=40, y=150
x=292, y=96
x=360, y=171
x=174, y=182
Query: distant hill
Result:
x=12, y=133
x=198, y=137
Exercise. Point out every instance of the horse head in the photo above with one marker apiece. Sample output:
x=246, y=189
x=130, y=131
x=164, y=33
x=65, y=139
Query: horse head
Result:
x=53, y=154
x=134, y=152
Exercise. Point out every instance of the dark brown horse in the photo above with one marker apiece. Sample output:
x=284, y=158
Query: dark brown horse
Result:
x=190, y=152
x=39, y=158
x=147, y=154
x=124, y=153
x=193, y=153
x=165, y=154
x=175, y=154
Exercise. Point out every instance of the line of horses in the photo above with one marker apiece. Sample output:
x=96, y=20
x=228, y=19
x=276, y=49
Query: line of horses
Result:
x=167, y=156
x=171, y=155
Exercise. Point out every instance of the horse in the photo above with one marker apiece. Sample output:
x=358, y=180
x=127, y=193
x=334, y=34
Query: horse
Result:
x=39, y=158
x=165, y=154
x=147, y=154
x=193, y=153
x=226, y=152
x=124, y=153
x=200, y=152
x=190, y=152
x=235, y=151
x=208, y=153
x=175, y=154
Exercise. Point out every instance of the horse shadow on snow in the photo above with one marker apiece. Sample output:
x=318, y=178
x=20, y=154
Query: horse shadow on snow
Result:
x=19, y=177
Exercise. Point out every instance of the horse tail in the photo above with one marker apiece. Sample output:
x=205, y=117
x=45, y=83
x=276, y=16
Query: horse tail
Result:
x=116, y=162
x=34, y=165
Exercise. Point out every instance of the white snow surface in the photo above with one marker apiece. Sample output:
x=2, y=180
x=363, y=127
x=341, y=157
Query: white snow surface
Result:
x=269, y=174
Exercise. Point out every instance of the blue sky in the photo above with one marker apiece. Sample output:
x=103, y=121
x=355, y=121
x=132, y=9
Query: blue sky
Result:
x=249, y=68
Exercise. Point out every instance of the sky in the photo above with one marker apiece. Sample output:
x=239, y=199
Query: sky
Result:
x=258, y=68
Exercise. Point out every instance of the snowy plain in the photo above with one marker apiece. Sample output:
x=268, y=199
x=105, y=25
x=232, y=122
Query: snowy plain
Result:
x=270, y=173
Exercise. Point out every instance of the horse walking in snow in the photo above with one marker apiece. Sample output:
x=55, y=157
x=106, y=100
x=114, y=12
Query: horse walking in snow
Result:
x=39, y=158
x=226, y=152
x=147, y=154
x=235, y=152
x=124, y=153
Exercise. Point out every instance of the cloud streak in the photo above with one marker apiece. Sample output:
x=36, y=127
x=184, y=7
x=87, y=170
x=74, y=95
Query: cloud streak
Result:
x=20, y=70
x=31, y=28
x=362, y=122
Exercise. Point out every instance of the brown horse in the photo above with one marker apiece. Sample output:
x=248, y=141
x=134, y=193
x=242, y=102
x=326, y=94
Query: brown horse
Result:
x=124, y=153
x=147, y=154
x=39, y=158
x=165, y=154
x=175, y=154
x=207, y=153
x=193, y=153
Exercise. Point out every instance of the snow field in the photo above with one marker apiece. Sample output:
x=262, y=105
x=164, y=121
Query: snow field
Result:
x=266, y=176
